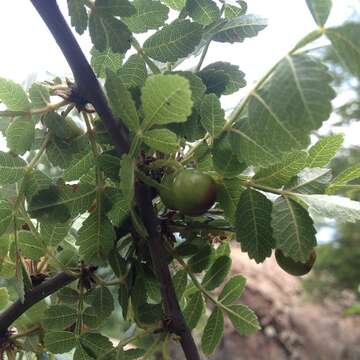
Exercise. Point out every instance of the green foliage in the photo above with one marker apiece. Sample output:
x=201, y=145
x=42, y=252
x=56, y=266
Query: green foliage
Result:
x=70, y=202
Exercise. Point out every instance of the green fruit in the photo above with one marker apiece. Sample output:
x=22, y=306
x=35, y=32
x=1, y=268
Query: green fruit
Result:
x=166, y=193
x=293, y=267
x=189, y=191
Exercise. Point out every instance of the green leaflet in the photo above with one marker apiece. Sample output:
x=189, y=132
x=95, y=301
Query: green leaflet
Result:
x=78, y=15
x=217, y=273
x=203, y=12
x=243, y=319
x=166, y=99
x=6, y=216
x=20, y=135
x=101, y=61
x=13, y=96
x=212, y=115
x=294, y=232
x=194, y=309
x=109, y=32
x=346, y=43
x=59, y=317
x=320, y=10
x=149, y=15
x=280, y=173
x=275, y=111
x=161, y=140
x=253, y=225
x=240, y=28
x=121, y=101
x=324, y=150
x=173, y=41
x=334, y=207
x=96, y=238
x=59, y=342
x=213, y=332
x=232, y=290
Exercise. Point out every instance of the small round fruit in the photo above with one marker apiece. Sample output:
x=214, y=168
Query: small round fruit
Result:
x=167, y=193
x=293, y=267
x=191, y=192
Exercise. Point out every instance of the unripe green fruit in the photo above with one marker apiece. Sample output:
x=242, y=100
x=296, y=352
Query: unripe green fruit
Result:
x=293, y=267
x=189, y=191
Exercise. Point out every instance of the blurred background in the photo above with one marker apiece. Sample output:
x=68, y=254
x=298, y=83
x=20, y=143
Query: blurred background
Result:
x=312, y=318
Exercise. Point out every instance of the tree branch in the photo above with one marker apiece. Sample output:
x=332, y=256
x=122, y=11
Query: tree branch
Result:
x=176, y=322
x=87, y=84
x=90, y=89
x=32, y=297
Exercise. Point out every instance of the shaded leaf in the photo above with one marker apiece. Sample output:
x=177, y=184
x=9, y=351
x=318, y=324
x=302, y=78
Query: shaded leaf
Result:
x=240, y=28
x=324, y=150
x=59, y=342
x=350, y=174
x=59, y=317
x=334, y=207
x=213, y=332
x=201, y=260
x=30, y=246
x=6, y=216
x=229, y=195
x=194, y=309
x=79, y=165
x=20, y=135
x=346, y=42
x=161, y=140
x=232, y=290
x=310, y=181
x=166, y=99
x=101, y=61
x=294, y=231
x=253, y=225
x=203, y=12
x=212, y=115
x=320, y=10
x=133, y=73
x=149, y=15
x=174, y=41
x=121, y=101
x=109, y=32
x=96, y=238
x=78, y=15
x=13, y=96
x=225, y=160
x=280, y=173
x=243, y=319
x=276, y=110
x=217, y=273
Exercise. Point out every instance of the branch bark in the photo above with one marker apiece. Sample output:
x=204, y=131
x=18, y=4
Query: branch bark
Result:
x=90, y=89
x=175, y=319
x=32, y=297
x=85, y=79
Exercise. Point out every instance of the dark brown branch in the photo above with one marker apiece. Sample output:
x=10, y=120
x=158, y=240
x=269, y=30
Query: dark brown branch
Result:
x=32, y=297
x=86, y=82
x=89, y=88
x=175, y=319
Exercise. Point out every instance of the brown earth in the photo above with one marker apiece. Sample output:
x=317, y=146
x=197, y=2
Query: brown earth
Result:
x=292, y=328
